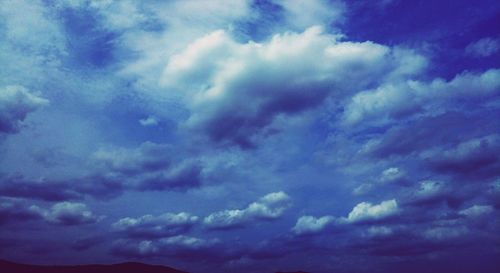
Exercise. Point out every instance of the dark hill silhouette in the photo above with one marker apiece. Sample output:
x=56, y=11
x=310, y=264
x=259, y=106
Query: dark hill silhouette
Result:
x=10, y=267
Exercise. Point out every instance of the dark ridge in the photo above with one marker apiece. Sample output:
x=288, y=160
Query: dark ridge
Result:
x=10, y=267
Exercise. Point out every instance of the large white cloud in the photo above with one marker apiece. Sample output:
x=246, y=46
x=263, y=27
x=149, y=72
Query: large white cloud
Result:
x=269, y=207
x=16, y=102
x=234, y=90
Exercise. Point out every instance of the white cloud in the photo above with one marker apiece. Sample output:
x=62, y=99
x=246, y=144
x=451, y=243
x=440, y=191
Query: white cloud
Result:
x=362, y=189
x=149, y=226
x=391, y=175
x=477, y=210
x=183, y=22
x=430, y=189
x=269, y=207
x=401, y=98
x=311, y=225
x=367, y=211
x=233, y=90
x=68, y=213
x=484, y=47
x=16, y=102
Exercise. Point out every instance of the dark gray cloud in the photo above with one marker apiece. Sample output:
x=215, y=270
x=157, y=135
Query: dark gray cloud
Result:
x=110, y=172
x=86, y=243
x=476, y=158
x=18, y=186
x=427, y=132
x=183, y=247
x=147, y=157
x=14, y=211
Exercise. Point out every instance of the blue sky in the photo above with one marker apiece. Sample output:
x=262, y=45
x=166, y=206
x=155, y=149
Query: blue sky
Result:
x=251, y=136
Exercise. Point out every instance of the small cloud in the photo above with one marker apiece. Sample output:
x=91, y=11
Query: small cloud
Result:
x=379, y=231
x=368, y=212
x=311, y=225
x=269, y=207
x=477, y=210
x=16, y=102
x=362, y=189
x=68, y=213
x=149, y=226
x=177, y=246
x=392, y=175
x=484, y=47
x=444, y=233
x=149, y=121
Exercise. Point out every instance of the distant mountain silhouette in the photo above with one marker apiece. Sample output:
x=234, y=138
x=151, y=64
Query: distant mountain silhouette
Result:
x=10, y=267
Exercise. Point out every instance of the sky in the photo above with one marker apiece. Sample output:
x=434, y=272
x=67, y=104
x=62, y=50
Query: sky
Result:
x=251, y=135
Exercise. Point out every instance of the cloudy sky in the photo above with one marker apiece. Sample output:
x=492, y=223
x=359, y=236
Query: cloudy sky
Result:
x=251, y=135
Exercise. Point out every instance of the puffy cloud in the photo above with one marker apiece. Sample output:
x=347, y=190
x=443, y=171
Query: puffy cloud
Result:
x=149, y=226
x=484, y=47
x=235, y=90
x=311, y=225
x=269, y=207
x=68, y=213
x=365, y=212
x=396, y=99
x=392, y=175
x=15, y=105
